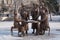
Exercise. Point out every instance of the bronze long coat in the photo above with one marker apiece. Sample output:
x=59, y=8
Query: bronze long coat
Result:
x=44, y=19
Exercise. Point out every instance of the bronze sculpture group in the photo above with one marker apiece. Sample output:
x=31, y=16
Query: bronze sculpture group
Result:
x=36, y=11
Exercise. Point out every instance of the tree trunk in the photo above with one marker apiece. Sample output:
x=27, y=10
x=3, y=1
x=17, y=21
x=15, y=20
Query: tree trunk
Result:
x=7, y=1
x=50, y=16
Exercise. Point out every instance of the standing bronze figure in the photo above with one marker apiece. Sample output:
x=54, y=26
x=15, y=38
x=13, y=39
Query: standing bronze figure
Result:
x=24, y=16
x=34, y=14
x=44, y=25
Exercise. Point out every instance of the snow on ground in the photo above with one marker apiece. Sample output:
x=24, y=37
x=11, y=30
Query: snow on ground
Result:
x=5, y=33
x=55, y=18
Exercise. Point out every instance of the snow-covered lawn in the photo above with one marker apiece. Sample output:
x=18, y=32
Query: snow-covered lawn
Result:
x=5, y=33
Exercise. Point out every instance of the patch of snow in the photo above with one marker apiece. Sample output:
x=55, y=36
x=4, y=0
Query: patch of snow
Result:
x=3, y=18
x=5, y=33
